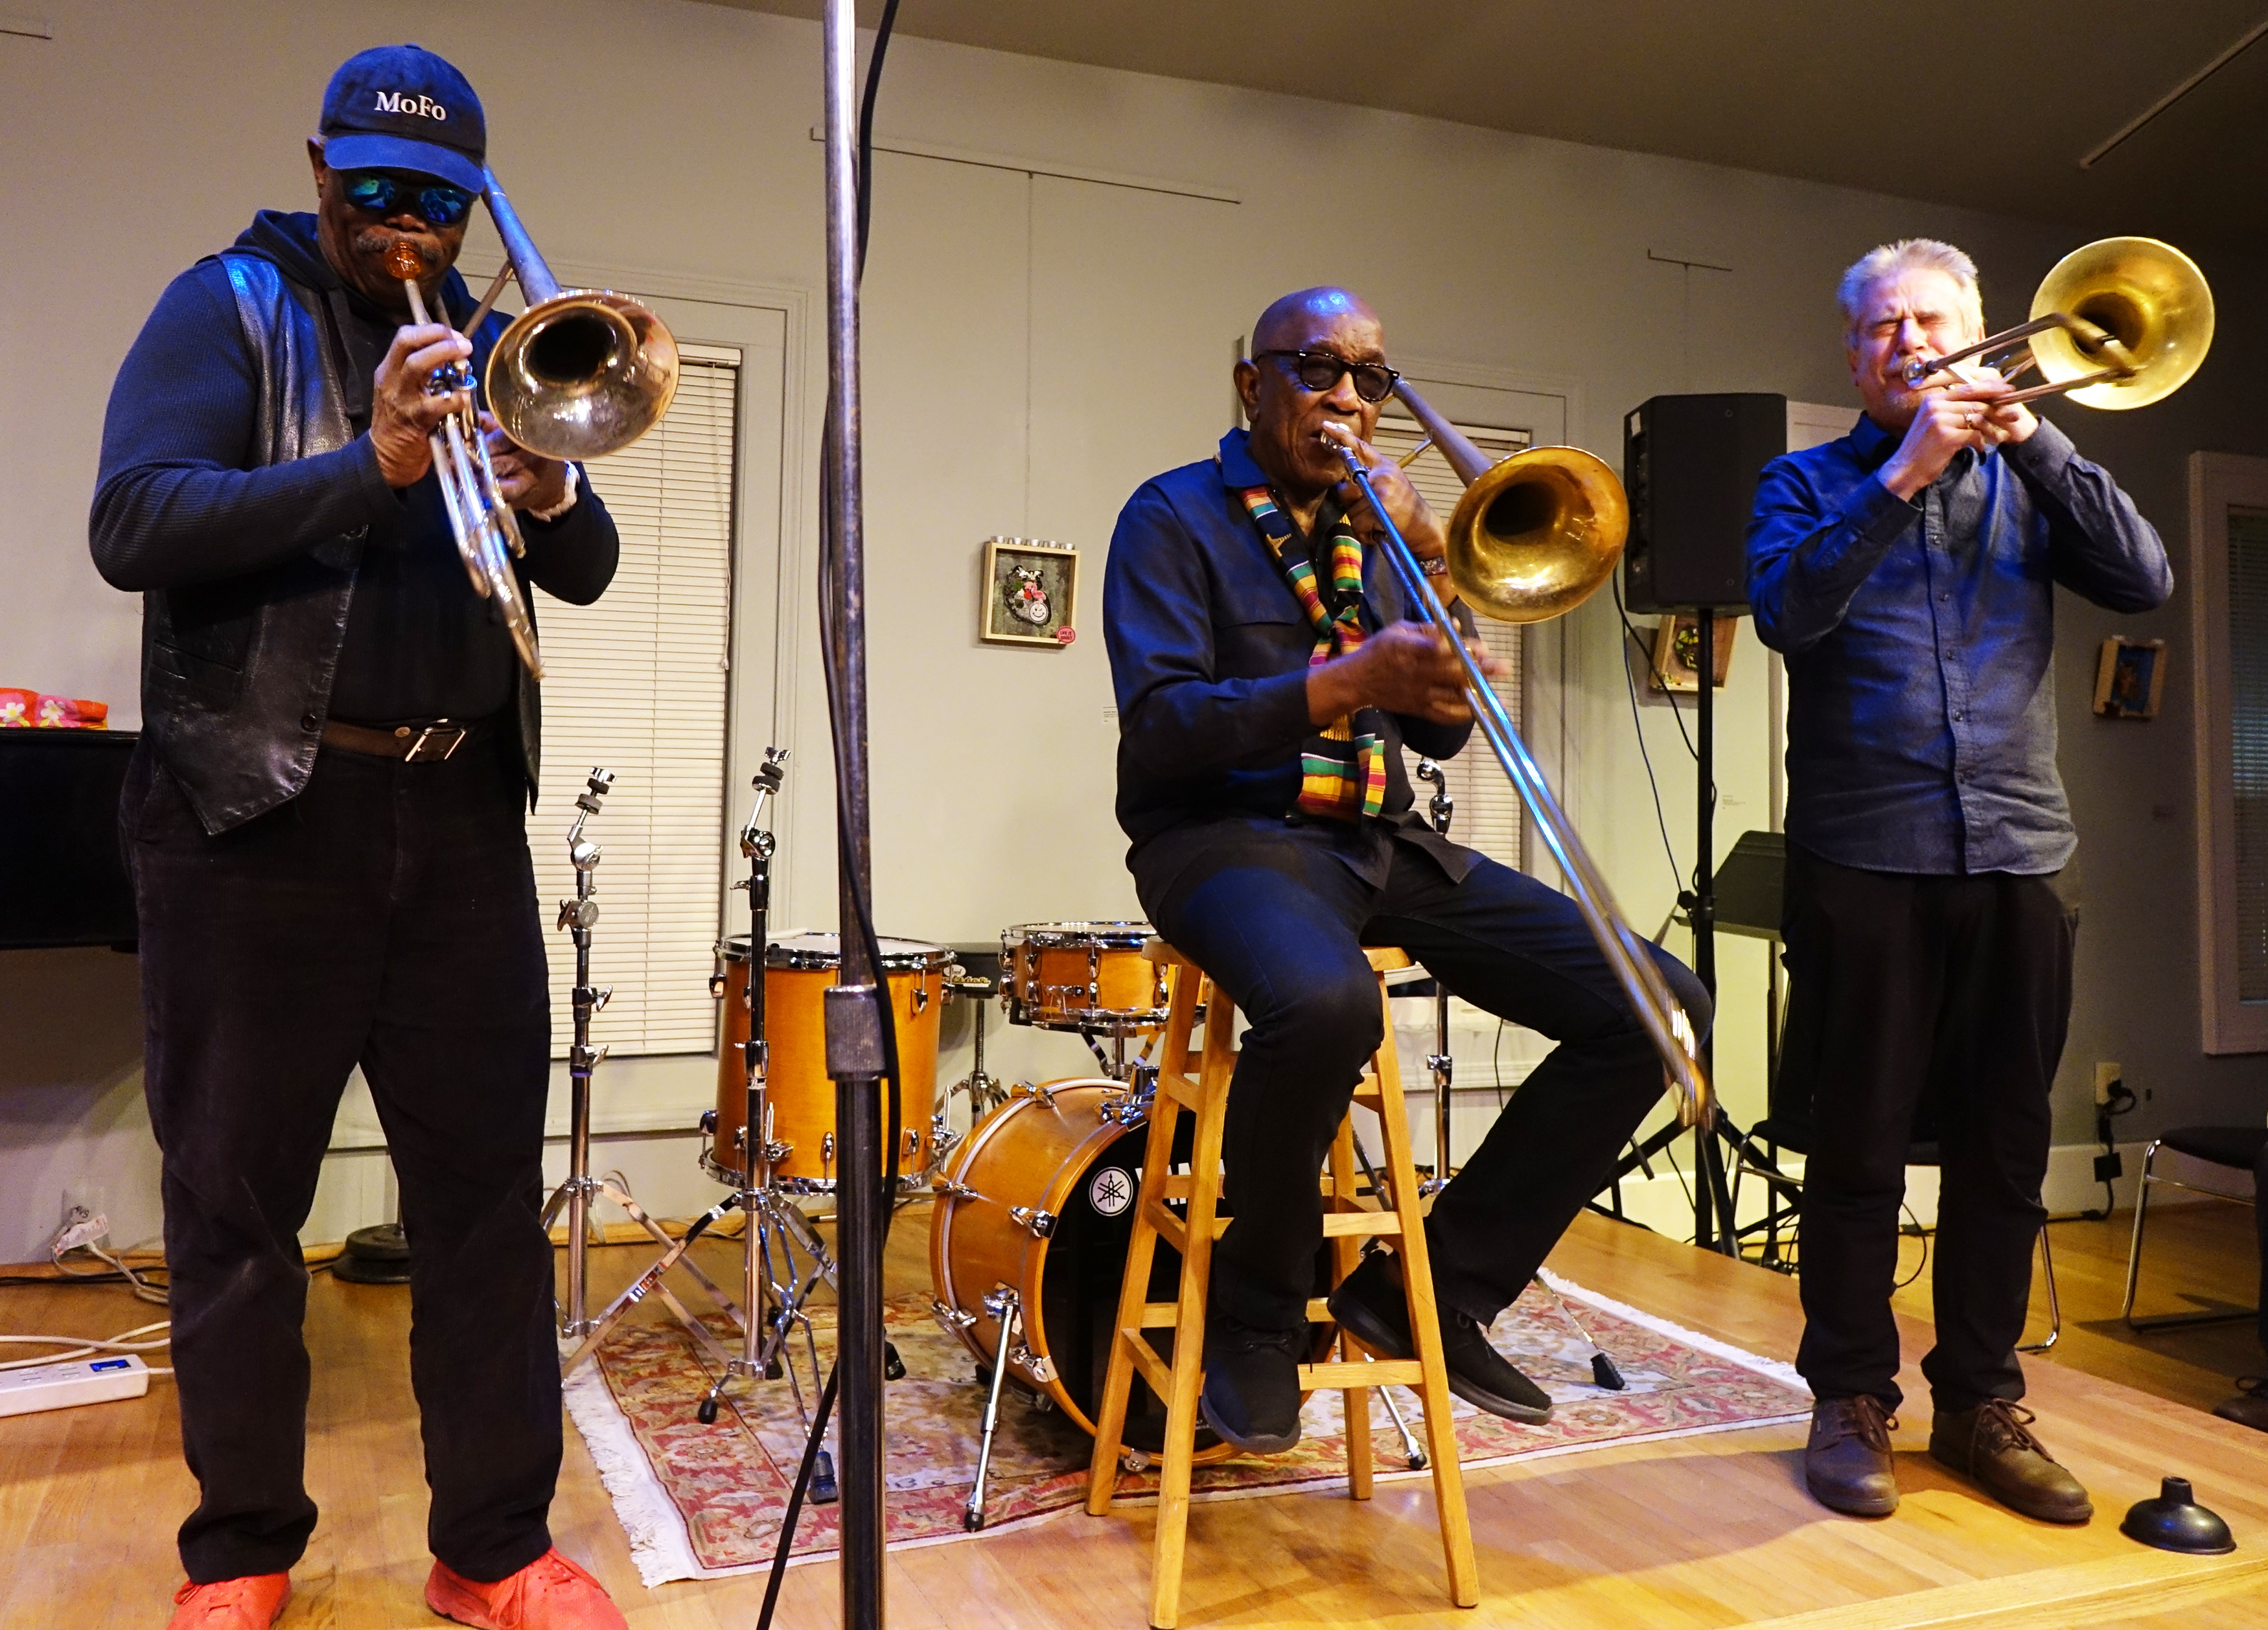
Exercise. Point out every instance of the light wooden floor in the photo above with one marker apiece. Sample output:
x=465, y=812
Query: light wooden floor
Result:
x=1706, y=1531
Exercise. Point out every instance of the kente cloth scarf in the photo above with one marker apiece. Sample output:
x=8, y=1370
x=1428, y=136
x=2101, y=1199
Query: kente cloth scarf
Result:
x=1342, y=770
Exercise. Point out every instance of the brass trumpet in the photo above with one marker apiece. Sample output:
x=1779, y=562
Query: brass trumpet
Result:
x=1533, y=538
x=579, y=374
x=2120, y=323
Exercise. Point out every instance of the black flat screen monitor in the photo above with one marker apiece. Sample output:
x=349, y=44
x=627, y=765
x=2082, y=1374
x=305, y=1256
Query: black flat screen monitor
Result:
x=66, y=880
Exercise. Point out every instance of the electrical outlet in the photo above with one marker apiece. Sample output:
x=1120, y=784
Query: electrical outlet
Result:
x=2106, y=1076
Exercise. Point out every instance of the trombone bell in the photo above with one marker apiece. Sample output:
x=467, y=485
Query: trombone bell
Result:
x=582, y=374
x=1537, y=534
x=2149, y=297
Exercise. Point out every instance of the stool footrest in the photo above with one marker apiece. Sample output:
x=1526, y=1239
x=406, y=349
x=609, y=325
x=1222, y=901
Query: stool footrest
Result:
x=1376, y=1372
x=1361, y=1225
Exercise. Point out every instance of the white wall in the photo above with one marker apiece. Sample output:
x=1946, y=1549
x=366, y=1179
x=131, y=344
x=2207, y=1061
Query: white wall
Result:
x=1036, y=344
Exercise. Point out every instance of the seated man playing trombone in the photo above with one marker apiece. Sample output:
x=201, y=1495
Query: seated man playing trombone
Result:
x=1267, y=682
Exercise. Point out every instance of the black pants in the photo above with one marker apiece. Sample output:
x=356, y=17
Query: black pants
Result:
x=385, y=917
x=1945, y=994
x=2260, y=1223
x=1283, y=935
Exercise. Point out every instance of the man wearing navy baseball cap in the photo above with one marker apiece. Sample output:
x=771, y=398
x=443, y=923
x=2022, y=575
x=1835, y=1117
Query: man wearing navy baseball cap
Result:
x=325, y=821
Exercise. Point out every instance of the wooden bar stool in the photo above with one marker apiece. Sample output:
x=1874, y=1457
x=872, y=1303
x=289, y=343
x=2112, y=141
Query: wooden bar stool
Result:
x=1198, y=1084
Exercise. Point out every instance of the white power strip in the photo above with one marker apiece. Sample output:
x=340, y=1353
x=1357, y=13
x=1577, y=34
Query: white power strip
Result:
x=81, y=1381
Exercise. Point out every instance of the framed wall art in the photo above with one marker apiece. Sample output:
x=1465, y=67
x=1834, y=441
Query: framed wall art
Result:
x=1677, y=653
x=2130, y=676
x=1031, y=592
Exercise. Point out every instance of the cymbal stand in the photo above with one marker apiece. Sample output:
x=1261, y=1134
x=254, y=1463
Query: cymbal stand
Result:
x=1439, y=1064
x=577, y=1192
x=984, y=1091
x=784, y=1258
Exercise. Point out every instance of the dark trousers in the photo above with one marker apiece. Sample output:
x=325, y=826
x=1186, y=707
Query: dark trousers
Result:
x=1281, y=930
x=385, y=917
x=2260, y=1223
x=1944, y=994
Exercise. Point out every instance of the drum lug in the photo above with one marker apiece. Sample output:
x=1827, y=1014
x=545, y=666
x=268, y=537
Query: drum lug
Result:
x=1026, y=1090
x=921, y=997
x=912, y=1139
x=1041, y=1370
x=774, y=1153
x=952, y=1318
x=1000, y=1301
x=1134, y=1460
x=709, y=1122
x=947, y=1188
x=1041, y=1224
x=827, y=1151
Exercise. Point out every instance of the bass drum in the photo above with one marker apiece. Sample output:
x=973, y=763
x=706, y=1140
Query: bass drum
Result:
x=1039, y=1198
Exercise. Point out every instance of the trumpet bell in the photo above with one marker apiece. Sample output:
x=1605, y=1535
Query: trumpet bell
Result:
x=583, y=374
x=1537, y=534
x=2148, y=295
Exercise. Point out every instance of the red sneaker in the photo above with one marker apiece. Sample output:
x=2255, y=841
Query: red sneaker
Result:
x=251, y=1603
x=550, y=1593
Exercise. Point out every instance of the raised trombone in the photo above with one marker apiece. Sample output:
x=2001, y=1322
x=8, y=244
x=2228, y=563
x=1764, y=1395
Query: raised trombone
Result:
x=1534, y=537
x=2118, y=323
x=579, y=374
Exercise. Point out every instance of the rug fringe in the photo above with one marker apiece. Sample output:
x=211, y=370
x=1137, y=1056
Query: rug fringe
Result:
x=659, y=1544
x=1786, y=1374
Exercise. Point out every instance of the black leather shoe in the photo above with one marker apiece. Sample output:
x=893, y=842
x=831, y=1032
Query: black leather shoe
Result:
x=1370, y=1305
x=1251, y=1394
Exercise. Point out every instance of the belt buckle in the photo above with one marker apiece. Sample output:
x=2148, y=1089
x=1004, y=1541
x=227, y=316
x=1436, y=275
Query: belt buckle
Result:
x=435, y=742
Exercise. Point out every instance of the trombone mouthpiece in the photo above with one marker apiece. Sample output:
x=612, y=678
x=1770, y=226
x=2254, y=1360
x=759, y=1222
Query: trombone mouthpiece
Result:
x=404, y=262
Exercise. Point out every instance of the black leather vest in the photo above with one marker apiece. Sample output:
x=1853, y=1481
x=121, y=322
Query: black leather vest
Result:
x=236, y=674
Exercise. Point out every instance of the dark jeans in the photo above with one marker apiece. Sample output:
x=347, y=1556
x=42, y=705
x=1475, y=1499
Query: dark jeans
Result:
x=1948, y=991
x=385, y=917
x=1280, y=928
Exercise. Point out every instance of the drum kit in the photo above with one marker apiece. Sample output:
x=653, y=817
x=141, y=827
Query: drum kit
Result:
x=1035, y=1200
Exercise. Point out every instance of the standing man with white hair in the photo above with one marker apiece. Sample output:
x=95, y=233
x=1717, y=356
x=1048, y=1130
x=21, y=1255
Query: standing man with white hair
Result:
x=1907, y=572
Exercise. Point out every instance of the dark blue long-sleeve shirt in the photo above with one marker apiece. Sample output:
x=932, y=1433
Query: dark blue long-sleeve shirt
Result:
x=1209, y=654
x=1920, y=641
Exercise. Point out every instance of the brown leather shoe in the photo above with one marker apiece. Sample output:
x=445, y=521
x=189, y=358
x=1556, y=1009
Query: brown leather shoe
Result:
x=1847, y=1464
x=2249, y=1406
x=1993, y=1446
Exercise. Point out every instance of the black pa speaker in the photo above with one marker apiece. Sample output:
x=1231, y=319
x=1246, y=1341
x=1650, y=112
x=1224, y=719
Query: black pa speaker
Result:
x=1690, y=464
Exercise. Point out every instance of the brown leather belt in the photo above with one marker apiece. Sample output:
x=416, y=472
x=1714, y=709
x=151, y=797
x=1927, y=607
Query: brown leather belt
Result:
x=413, y=744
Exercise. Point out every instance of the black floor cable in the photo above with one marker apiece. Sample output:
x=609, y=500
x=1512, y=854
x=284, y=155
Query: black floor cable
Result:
x=859, y=900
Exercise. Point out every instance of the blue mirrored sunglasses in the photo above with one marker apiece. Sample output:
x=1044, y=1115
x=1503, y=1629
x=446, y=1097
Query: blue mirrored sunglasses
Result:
x=436, y=203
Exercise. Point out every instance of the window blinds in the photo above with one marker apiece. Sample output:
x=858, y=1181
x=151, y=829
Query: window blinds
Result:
x=1488, y=814
x=637, y=683
x=2247, y=611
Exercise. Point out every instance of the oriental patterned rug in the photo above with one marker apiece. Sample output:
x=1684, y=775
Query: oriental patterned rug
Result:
x=703, y=1502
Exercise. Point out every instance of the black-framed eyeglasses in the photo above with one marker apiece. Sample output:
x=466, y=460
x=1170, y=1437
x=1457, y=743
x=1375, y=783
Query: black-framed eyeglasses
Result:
x=436, y=203
x=1320, y=371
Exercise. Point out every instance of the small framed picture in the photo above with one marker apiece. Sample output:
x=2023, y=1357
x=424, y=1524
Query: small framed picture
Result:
x=1677, y=653
x=1031, y=592
x=2130, y=677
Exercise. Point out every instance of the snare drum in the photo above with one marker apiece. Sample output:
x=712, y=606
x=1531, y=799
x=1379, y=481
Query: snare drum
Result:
x=797, y=970
x=1090, y=977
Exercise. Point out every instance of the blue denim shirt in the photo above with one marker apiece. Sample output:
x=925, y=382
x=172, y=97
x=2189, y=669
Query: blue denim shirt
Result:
x=1920, y=642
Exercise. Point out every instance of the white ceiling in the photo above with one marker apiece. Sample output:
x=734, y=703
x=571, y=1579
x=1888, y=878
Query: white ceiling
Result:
x=1988, y=102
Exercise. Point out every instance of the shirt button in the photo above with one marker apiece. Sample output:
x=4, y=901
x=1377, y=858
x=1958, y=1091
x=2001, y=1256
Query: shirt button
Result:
x=307, y=721
x=1947, y=596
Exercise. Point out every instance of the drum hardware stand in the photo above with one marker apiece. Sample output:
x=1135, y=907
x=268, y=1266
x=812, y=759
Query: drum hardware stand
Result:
x=576, y=1193
x=1439, y=1064
x=984, y=1092
x=1007, y=1308
x=784, y=1258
